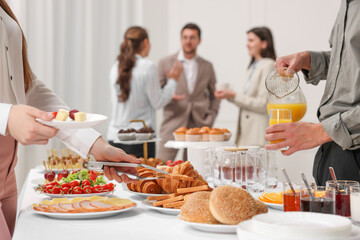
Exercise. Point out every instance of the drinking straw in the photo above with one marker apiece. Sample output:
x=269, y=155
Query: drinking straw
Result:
x=307, y=185
x=288, y=180
x=333, y=176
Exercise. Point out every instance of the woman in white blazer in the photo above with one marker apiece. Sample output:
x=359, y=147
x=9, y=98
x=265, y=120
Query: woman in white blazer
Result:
x=21, y=98
x=252, y=98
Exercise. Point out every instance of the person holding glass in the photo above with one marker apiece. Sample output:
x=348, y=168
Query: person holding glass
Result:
x=135, y=88
x=23, y=98
x=337, y=133
x=252, y=99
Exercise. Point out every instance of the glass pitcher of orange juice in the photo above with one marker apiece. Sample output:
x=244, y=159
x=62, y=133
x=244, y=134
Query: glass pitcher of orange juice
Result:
x=284, y=92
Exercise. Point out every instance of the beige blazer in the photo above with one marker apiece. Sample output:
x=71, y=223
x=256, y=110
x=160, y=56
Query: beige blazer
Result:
x=253, y=116
x=39, y=96
x=199, y=108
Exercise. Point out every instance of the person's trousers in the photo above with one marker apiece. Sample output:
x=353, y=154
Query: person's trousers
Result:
x=8, y=206
x=137, y=149
x=346, y=163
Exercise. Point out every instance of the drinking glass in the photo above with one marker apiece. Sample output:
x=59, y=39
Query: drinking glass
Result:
x=291, y=200
x=323, y=201
x=227, y=167
x=255, y=170
x=271, y=169
x=342, y=191
x=355, y=204
x=279, y=116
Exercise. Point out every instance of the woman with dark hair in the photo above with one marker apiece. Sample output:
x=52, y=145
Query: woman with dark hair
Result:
x=135, y=88
x=23, y=98
x=252, y=99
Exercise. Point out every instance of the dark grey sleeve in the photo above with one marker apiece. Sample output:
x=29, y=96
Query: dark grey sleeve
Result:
x=319, y=67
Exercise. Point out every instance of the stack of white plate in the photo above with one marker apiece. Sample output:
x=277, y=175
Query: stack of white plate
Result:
x=296, y=226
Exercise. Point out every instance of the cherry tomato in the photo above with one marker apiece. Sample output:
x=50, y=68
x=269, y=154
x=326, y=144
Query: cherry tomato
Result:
x=100, y=188
x=108, y=187
x=55, y=183
x=87, y=189
x=93, y=175
x=48, y=189
x=85, y=183
x=65, y=190
x=64, y=185
x=54, y=114
x=74, y=183
x=60, y=176
x=171, y=165
x=77, y=190
x=56, y=190
x=168, y=162
x=177, y=162
x=94, y=190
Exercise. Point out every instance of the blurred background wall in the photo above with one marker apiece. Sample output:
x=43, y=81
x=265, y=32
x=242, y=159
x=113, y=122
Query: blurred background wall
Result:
x=73, y=44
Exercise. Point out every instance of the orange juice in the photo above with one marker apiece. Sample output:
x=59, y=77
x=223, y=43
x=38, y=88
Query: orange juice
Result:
x=298, y=110
x=273, y=121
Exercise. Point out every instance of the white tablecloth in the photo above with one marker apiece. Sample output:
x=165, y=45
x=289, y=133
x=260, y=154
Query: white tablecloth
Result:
x=140, y=223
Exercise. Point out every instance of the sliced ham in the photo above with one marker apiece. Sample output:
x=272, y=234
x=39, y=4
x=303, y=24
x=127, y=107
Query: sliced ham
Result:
x=80, y=207
x=66, y=206
x=76, y=205
x=87, y=206
x=123, y=206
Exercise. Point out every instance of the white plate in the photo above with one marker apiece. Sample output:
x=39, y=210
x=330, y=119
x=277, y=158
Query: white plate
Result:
x=246, y=231
x=131, y=142
x=302, y=224
x=149, y=205
x=89, y=215
x=145, y=195
x=77, y=195
x=181, y=145
x=274, y=205
x=216, y=228
x=92, y=120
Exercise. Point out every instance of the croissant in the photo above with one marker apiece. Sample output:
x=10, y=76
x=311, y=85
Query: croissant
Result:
x=182, y=176
x=145, y=186
x=170, y=185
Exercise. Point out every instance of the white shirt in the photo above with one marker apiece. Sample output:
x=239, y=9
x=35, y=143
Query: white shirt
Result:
x=190, y=67
x=39, y=96
x=146, y=95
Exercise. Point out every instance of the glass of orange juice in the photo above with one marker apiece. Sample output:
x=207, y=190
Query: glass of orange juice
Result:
x=279, y=116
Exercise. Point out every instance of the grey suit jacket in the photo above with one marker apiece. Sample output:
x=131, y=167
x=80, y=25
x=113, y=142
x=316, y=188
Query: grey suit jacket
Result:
x=199, y=108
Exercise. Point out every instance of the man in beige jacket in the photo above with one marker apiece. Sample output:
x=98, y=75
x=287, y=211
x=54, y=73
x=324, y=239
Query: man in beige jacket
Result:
x=194, y=103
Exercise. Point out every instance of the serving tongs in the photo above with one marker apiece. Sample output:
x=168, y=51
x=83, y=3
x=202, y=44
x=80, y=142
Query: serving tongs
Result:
x=99, y=166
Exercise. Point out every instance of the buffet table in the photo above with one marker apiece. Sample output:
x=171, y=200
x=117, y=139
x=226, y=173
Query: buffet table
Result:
x=140, y=223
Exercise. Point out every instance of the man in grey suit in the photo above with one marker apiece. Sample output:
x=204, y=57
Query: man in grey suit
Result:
x=194, y=103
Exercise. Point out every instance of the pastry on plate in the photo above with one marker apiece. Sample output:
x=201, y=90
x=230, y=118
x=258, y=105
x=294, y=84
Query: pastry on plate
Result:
x=232, y=205
x=227, y=134
x=204, y=131
x=179, y=134
x=196, y=209
x=193, y=135
x=216, y=135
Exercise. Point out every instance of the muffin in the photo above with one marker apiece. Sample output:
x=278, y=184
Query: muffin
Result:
x=193, y=135
x=204, y=131
x=227, y=134
x=216, y=135
x=145, y=133
x=179, y=134
x=126, y=134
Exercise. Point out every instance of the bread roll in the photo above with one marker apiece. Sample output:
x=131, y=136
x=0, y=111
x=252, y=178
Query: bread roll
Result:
x=231, y=205
x=196, y=209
